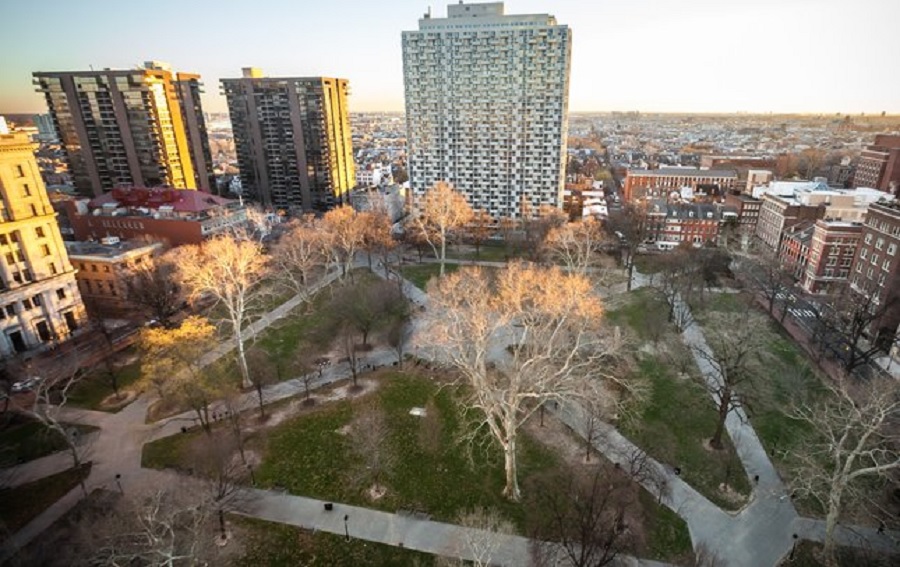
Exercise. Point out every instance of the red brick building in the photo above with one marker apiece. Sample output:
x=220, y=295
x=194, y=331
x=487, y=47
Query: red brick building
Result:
x=656, y=183
x=879, y=165
x=793, y=253
x=173, y=216
x=831, y=252
x=671, y=225
x=876, y=269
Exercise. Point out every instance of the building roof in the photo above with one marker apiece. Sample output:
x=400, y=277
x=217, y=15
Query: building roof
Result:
x=100, y=251
x=180, y=200
x=683, y=172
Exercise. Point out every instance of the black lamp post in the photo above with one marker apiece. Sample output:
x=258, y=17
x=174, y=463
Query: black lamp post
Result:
x=346, y=529
x=793, y=548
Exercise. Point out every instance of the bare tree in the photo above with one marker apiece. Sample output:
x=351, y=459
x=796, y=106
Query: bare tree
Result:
x=853, y=439
x=577, y=245
x=479, y=229
x=162, y=527
x=232, y=271
x=369, y=306
x=537, y=226
x=50, y=397
x=346, y=229
x=300, y=253
x=521, y=338
x=677, y=280
x=377, y=239
x=735, y=348
x=152, y=285
x=630, y=228
x=585, y=518
x=485, y=530
x=369, y=433
x=264, y=372
x=854, y=320
x=441, y=210
x=767, y=277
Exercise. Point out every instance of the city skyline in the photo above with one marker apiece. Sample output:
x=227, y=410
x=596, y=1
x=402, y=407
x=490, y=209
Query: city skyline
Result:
x=802, y=56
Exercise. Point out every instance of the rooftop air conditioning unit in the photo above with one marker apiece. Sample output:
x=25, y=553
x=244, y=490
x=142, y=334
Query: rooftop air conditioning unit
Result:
x=110, y=240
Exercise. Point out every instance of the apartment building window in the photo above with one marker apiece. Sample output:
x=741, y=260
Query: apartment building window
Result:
x=45, y=250
x=892, y=248
x=26, y=304
x=53, y=269
x=39, y=231
x=93, y=267
x=874, y=259
x=11, y=310
x=3, y=240
x=864, y=253
x=879, y=244
x=26, y=190
x=36, y=300
x=28, y=276
x=10, y=259
x=20, y=171
x=886, y=265
x=869, y=238
x=61, y=293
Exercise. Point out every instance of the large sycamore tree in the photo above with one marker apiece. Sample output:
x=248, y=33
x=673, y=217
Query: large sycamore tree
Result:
x=519, y=338
x=231, y=270
x=442, y=210
x=853, y=442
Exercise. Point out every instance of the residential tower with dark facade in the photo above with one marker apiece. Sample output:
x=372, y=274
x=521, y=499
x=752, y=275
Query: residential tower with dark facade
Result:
x=879, y=165
x=293, y=139
x=140, y=127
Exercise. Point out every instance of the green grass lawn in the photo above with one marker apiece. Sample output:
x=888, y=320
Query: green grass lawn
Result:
x=643, y=310
x=23, y=440
x=91, y=390
x=21, y=504
x=420, y=274
x=808, y=554
x=280, y=545
x=672, y=426
x=667, y=534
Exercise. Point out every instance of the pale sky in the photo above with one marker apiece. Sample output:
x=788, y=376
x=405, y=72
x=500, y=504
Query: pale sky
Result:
x=648, y=55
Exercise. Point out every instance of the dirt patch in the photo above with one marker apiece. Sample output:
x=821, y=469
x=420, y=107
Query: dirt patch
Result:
x=376, y=492
x=111, y=402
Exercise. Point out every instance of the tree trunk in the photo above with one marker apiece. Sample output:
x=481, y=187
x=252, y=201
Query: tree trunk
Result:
x=834, y=509
x=511, y=491
x=259, y=395
x=242, y=360
x=443, y=250
x=716, y=441
x=630, y=272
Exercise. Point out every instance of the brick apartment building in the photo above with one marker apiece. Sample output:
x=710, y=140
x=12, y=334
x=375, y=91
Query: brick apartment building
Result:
x=831, y=252
x=879, y=165
x=706, y=184
x=875, y=266
x=747, y=209
x=777, y=214
x=671, y=225
x=793, y=252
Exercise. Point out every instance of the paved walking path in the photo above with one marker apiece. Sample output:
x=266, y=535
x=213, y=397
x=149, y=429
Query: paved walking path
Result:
x=759, y=535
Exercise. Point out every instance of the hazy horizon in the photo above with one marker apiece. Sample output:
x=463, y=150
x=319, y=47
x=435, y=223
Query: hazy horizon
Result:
x=813, y=57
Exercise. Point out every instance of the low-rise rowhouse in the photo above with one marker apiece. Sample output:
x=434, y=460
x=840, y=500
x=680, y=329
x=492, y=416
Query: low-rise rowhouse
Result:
x=103, y=271
x=173, y=216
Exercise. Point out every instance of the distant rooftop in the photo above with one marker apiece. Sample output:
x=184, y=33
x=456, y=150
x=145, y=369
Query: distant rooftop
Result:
x=180, y=200
x=683, y=172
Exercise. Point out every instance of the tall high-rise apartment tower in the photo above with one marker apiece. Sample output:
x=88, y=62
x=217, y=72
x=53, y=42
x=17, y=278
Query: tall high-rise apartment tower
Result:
x=293, y=139
x=487, y=104
x=39, y=299
x=140, y=127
